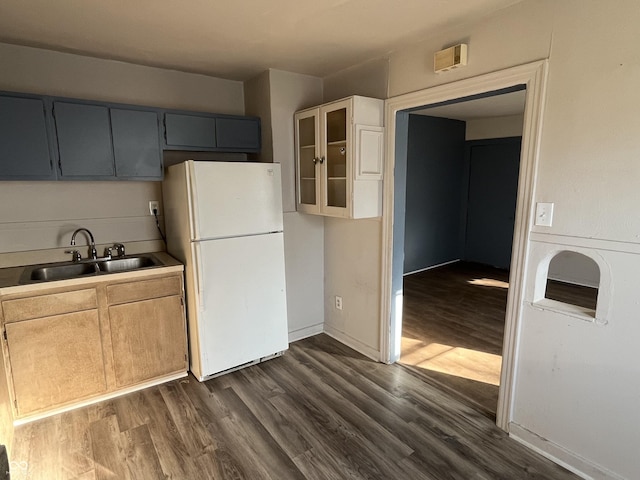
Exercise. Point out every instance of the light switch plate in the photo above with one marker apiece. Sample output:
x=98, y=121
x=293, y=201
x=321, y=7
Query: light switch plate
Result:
x=544, y=214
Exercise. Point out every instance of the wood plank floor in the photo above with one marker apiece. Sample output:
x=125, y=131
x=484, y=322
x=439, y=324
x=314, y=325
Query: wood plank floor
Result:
x=322, y=411
x=453, y=328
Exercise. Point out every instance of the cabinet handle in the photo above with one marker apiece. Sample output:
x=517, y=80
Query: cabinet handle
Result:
x=321, y=160
x=315, y=160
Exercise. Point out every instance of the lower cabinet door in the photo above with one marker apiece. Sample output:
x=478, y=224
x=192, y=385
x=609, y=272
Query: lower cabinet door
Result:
x=148, y=339
x=55, y=360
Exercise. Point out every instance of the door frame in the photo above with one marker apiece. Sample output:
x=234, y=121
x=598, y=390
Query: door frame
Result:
x=533, y=76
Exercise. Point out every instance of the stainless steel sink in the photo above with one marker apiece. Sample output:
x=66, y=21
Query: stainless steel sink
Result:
x=60, y=271
x=65, y=270
x=127, y=264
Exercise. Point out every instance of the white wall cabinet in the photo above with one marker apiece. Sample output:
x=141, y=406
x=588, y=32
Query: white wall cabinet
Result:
x=339, y=158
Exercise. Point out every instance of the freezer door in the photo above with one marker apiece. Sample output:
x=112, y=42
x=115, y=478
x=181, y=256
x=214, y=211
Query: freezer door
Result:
x=235, y=198
x=243, y=311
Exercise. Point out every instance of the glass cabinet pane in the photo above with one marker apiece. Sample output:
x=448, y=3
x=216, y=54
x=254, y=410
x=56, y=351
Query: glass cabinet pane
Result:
x=336, y=160
x=306, y=156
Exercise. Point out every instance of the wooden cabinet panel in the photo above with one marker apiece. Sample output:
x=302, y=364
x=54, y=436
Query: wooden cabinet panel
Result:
x=49, y=305
x=144, y=289
x=148, y=339
x=136, y=144
x=84, y=140
x=55, y=360
x=24, y=143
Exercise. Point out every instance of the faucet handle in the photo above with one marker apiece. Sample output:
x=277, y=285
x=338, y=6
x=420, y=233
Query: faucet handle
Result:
x=107, y=252
x=75, y=255
x=119, y=249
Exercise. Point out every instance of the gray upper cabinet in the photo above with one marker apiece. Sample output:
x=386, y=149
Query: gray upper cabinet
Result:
x=24, y=144
x=96, y=142
x=53, y=138
x=241, y=134
x=190, y=131
x=136, y=144
x=209, y=132
x=84, y=140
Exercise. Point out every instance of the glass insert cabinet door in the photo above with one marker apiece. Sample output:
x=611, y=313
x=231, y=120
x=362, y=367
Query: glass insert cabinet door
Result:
x=336, y=157
x=308, y=158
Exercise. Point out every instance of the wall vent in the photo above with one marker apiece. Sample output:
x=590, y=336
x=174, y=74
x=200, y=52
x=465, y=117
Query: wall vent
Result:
x=450, y=58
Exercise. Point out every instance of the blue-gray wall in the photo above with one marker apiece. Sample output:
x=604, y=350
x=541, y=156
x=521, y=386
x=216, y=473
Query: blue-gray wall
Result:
x=435, y=192
x=460, y=197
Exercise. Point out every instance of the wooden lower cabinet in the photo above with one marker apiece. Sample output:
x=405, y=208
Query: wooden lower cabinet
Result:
x=143, y=339
x=69, y=346
x=55, y=360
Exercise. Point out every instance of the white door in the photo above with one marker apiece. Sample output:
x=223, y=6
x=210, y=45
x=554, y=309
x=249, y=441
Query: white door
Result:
x=235, y=198
x=243, y=307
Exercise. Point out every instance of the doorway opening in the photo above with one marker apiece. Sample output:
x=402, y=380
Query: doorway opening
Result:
x=532, y=76
x=462, y=164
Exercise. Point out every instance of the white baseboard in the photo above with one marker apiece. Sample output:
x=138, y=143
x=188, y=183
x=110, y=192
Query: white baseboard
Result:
x=358, y=346
x=305, y=332
x=431, y=267
x=569, y=460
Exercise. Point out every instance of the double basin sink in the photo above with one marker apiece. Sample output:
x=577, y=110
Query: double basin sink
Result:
x=67, y=270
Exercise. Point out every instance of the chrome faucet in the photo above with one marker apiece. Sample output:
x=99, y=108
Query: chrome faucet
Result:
x=92, y=247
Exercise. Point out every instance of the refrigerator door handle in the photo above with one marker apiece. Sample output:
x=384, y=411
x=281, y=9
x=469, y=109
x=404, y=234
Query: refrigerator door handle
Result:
x=199, y=279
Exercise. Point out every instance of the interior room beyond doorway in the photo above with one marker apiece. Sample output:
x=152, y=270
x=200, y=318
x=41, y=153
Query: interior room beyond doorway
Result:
x=461, y=189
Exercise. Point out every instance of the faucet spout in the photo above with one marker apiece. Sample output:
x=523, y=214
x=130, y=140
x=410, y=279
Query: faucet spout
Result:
x=92, y=247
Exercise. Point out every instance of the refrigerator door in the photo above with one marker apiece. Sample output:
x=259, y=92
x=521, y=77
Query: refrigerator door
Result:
x=232, y=199
x=243, y=311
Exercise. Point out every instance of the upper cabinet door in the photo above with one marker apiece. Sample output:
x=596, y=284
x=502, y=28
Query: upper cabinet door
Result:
x=238, y=134
x=24, y=145
x=136, y=144
x=190, y=131
x=307, y=160
x=84, y=140
x=336, y=121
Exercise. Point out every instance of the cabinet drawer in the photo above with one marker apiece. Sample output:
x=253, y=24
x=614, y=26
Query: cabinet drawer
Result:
x=144, y=289
x=47, y=305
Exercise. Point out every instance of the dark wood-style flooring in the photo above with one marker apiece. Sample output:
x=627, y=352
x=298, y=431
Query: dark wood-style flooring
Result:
x=322, y=411
x=453, y=328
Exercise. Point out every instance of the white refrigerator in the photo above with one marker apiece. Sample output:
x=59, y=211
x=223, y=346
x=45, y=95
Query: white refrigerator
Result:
x=224, y=222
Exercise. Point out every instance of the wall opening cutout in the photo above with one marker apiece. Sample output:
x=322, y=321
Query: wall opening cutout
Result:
x=574, y=279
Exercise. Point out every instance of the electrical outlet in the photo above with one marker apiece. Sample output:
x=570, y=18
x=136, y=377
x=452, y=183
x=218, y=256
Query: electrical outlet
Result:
x=154, y=205
x=338, y=302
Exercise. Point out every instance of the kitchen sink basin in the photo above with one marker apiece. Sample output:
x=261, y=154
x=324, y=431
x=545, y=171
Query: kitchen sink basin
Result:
x=127, y=264
x=62, y=271
x=65, y=270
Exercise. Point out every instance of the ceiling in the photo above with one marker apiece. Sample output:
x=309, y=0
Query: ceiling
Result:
x=235, y=39
x=495, y=106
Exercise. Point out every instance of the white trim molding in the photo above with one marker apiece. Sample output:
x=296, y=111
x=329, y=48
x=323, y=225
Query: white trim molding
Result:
x=533, y=76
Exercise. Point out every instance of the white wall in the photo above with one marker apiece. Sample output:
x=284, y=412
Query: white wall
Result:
x=275, y=96
x=369, y=79
x=289, y=93
x=42, y=215
x=257, y=102
x=575, y=381
x=352, y=247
